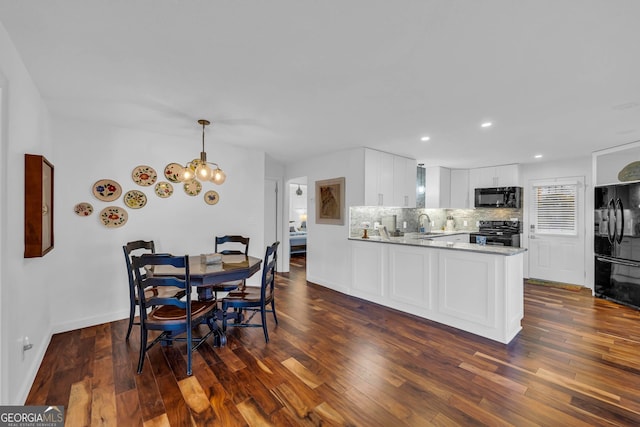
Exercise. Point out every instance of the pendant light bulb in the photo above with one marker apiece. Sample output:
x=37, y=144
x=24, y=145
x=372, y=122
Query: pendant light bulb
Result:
x=187, y=174
x=218, y=176
x=204, y=172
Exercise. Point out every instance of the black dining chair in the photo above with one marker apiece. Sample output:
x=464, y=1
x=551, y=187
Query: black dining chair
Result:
x=254, y=299
x=139, y=247
x=232, y=245
x=173, y=316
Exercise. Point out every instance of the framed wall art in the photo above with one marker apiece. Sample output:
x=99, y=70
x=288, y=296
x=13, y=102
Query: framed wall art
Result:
x=330, y=201
x=38, y=206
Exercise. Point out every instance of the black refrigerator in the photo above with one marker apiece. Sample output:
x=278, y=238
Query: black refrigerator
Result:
x=617, y=243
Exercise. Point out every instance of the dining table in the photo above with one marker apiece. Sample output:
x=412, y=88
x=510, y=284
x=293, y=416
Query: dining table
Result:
x=209, y=278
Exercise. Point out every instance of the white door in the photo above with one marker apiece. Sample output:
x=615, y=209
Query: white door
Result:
x=557, y=230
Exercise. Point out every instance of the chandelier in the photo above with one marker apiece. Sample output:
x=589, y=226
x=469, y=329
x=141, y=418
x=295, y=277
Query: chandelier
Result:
x=200, y=169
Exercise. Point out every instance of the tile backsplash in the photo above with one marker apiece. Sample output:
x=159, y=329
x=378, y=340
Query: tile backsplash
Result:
x=373, y=214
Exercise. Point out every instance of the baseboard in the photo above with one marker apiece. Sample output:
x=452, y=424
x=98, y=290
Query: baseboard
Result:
x=328, y=284
x=90, y=321
x=23, y=393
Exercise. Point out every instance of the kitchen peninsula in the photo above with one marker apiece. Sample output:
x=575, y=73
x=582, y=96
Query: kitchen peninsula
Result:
x=475, y=288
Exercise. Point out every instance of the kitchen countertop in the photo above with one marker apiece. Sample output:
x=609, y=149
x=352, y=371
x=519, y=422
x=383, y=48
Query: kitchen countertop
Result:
x=422, y=240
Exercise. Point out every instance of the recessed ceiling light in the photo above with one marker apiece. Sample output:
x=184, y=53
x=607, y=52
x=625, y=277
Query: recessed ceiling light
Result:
x=425, y=138
x=486, y=124
x=538, y=156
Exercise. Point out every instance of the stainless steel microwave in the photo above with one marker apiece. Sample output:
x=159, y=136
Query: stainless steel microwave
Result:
x=498, y=197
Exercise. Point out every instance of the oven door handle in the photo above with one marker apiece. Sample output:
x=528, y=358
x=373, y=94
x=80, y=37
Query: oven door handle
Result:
x=617, y=261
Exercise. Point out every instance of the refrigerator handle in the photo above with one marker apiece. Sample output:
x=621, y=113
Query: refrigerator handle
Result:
x=610, y=220
x=617, y=261
x=619, y=217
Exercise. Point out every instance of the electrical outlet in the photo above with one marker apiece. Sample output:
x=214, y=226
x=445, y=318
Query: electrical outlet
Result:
x=465, y=223
x=477, y=223
x=376, y=225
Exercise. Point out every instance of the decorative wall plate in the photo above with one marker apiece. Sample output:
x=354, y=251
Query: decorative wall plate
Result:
x=164, y=189
x=193, y=187
x=83, y=209
x=113, y=216
x=211, y=197
x=144, y=175
x=107, y=190
x=135, y=199
x=631, y=172
x=172, y=171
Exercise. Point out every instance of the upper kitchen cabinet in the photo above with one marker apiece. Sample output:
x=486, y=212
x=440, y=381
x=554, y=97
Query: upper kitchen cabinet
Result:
x=494, y=176
x=389, y=180
x=404, y=182
x=438, y=188
x=460, y=189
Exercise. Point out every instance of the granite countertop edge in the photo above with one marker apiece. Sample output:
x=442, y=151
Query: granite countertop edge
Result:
x=438, y=244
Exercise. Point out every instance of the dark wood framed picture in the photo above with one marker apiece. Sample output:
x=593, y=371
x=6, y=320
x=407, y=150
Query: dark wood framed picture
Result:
x=38, y=206
x=330, y=201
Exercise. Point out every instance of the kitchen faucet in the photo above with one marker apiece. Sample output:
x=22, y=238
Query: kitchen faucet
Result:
x=426, y=229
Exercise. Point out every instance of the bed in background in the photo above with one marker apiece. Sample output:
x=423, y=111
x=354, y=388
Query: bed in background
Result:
x=297, y=241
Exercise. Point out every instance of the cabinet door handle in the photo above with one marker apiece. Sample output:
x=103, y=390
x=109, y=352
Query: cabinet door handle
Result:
x=380, y=199
x=406, y=200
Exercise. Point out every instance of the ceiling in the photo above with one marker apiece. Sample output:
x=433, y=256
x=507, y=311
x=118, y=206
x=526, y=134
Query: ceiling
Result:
x=301, y=78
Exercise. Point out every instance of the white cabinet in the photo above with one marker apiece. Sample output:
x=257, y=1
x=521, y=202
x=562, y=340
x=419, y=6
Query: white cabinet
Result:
x=460, y=189
x=495, y=176
x=437, y=187
x=389, y=180
x=368, y=271
x=492, y=176
x=480, y=293
x=378, y=178
x=404, y=182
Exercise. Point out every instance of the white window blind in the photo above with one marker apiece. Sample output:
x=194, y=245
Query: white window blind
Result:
x=557, y=209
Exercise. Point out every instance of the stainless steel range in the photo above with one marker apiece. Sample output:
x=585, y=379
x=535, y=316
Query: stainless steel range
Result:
x=498, y=233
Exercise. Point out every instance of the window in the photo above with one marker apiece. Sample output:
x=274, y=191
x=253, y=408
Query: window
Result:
x=556, y=208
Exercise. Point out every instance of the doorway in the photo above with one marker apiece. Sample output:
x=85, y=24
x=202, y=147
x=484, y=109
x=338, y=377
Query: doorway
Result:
x=297, y=220
x=557, y=230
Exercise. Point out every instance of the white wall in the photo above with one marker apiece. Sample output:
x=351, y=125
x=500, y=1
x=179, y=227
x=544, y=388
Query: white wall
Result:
x=328, y=250
x=580, y=166
x=89, y=278
x=25, y=288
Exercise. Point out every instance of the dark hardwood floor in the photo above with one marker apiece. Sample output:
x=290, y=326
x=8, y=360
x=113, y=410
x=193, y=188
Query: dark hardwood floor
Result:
x=336, y=360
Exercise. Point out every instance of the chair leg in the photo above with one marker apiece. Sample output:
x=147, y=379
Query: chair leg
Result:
x=263, y=315
x=189, y=350
x=143, y=348
x=132, y=314
x=224, y=320
x=273, y=310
